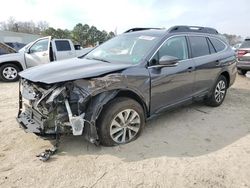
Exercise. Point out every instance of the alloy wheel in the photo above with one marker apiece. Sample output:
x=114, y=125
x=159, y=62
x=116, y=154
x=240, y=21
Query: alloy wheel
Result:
x=9, y=73
x=220, y=91
x=125, y=126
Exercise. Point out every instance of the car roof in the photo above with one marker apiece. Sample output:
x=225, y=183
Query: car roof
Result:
x=151, y=32
x=175, y=30
x=164, y=32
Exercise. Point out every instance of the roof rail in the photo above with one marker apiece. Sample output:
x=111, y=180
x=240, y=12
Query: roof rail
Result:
x=198, y=29
x=140, y=29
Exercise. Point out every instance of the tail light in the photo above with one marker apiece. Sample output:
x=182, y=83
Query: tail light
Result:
x=242, y=52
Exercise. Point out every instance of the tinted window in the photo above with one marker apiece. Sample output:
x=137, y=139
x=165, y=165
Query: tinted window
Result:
x=245, y=44
x=40, y=46
x=218, y=45
x=176, y=47
x=62, y=45
x=199, y=46
x=211, y=48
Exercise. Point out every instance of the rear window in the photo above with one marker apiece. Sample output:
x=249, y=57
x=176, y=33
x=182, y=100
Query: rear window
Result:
x=218, y=45
x=62, y=45
x=199, y=46
x=245, y=44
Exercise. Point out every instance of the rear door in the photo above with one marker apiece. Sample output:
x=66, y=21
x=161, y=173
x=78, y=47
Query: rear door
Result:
x=63, y=49
x=171, y=85
x=207, y=63
x=38, y=52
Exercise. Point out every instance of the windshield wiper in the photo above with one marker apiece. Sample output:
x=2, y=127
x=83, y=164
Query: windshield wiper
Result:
x=99, y=59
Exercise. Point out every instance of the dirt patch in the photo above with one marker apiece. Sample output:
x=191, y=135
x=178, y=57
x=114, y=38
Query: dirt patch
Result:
x=193, y=146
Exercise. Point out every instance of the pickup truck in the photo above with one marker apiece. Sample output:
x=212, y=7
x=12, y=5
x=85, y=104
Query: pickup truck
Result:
x=41, y=51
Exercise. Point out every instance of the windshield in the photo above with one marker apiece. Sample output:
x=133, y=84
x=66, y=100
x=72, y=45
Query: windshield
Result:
x=128, y=48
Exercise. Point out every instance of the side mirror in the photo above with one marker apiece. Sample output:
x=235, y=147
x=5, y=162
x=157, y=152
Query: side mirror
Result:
x=168, y=61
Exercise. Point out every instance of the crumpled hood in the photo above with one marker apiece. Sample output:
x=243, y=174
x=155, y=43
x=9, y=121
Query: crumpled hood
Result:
x=70, y=69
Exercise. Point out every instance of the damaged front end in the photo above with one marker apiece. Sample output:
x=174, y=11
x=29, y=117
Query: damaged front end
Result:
x=61, y=108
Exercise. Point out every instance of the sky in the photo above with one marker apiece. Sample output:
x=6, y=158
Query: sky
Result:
x=227, y=16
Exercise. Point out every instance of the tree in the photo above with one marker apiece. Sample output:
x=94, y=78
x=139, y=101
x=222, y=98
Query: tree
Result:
x=92, y=36
x=233, y=39
x=110, y=35
x=42, y=25
x=26, y=27
x=89, y=36
x=102, y=36
x=59, y=33
x=50, y=32
x=80, y=34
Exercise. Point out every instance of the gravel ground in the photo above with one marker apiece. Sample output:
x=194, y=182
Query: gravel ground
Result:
x=193, y=146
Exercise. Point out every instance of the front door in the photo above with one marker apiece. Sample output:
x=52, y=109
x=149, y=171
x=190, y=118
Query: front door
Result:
x=38, y=53
x=171, y=85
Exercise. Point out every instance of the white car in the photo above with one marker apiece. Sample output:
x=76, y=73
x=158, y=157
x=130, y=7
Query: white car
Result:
x=41, y=51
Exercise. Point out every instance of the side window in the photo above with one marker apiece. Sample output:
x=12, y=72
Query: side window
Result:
x=62, y=45
x=218, y=45
x=199, y=46
x=40, y=46
x=176, y=47
x=211, y=48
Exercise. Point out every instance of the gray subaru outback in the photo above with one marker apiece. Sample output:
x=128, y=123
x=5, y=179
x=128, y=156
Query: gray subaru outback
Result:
x=107, y=95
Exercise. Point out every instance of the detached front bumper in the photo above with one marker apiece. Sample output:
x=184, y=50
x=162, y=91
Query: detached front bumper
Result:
x=57, y=119
x=30, y=119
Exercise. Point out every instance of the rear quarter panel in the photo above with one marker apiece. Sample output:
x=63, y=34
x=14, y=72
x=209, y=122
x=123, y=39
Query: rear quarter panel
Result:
x=227, y=63
x=210, y=67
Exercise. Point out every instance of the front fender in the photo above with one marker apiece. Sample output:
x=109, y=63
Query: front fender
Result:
x=100, y=91
x=13, y=58
x=116, y=81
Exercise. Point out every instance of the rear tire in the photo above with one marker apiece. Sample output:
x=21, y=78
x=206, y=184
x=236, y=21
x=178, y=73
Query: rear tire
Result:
x=218, y=93
x=242, y=72
x=121, y=122
x=9, y=72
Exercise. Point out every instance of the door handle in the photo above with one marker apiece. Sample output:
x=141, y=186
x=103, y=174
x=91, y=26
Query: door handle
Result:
x=190, y=69
x=44, y=54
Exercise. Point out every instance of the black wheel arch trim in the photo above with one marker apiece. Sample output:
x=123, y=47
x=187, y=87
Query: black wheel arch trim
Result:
x=97, y=103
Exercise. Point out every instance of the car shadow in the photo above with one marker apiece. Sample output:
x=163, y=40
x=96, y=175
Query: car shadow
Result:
x=189, y=131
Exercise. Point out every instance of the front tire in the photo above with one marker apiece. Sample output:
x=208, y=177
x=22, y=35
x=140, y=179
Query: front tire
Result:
x=120, y=122
x=9, y=72
x=242, y=72
x=218, y=93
